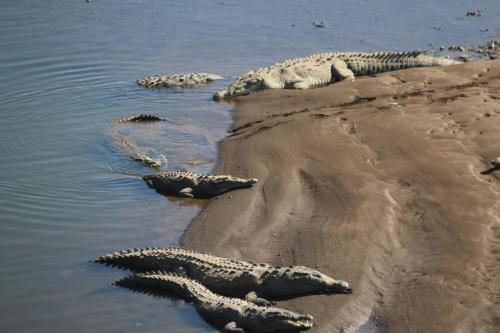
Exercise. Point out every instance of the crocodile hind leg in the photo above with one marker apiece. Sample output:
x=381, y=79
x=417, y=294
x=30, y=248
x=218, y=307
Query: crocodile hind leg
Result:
x=232, y=327
x=255, y=299
x=340, y=71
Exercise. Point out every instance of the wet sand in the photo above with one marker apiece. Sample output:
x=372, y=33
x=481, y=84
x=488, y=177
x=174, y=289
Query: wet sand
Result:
x=376, y=182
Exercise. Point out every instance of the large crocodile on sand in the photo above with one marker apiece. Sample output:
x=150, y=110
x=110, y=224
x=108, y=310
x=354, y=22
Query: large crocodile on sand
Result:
x=233, y=314
x=325, y=68
x=177, y=80
x=229, y=277
x=193, y=185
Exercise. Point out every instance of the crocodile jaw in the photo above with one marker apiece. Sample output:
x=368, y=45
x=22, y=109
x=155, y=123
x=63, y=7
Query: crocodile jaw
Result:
x=233, y=183
x=299, y=324
x=242, y=86
x=340, y=287
x=294, y=323
x=277, y=320
x=301, y=280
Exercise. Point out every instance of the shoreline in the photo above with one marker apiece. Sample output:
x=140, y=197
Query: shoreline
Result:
x=376, y=182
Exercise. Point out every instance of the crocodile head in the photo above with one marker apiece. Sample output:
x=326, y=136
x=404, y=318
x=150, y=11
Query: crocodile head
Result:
x=295, y=280
x=242, y=86
x=222, y=184
x=273, y=319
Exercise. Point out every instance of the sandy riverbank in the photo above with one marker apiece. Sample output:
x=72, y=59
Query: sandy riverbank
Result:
x=376, y=182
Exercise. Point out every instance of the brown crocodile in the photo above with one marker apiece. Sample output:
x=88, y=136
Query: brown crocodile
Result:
x=229, y=277
x=231, y=314
x=193, y=185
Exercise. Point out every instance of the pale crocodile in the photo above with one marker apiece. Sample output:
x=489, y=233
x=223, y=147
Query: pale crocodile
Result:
x=325, y=68
x=255, y=282
x=177, y=80
x=193, y=185
x=231, y=314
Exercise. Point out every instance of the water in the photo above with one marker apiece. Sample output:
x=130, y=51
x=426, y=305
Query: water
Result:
x=68, y=69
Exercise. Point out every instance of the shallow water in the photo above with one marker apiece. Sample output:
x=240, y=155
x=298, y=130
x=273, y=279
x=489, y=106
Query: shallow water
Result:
x=69, y=194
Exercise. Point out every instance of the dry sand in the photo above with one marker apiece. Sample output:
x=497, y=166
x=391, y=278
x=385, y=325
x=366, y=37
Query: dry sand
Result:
x=376, y=182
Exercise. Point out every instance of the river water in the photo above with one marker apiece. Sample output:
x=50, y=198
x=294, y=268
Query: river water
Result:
x=68, y=69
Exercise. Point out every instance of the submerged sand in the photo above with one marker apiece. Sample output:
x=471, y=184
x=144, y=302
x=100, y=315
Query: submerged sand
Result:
x=376, y=182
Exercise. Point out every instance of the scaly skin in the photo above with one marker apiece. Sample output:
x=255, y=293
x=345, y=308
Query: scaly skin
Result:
x=132, y=149
x=140, y=118
x=188, y=184
x=325, y=68
x=229, y=277
x=136, y=155
x=233, y=314
x=177, y=80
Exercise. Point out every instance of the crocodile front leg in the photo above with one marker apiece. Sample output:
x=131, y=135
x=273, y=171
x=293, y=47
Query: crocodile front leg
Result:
x=340, y=71
x=186, y=192
x=232, y=327
x=255, y=299
x=301, y=85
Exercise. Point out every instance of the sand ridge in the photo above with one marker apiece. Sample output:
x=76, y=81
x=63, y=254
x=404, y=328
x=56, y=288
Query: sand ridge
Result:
x=376, y=182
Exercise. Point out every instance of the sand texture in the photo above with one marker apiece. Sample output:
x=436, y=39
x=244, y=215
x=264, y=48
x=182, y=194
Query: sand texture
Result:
x=377, y=182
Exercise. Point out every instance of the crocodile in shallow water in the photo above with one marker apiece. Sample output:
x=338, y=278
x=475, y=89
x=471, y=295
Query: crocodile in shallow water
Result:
x=325, y=68
x=233, y=314
x=142, y=118
x=135, y=153
x=229, y=277
x=193, y=185
x=177, y=80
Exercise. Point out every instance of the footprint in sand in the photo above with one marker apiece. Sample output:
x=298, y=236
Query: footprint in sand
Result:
x=346, y=126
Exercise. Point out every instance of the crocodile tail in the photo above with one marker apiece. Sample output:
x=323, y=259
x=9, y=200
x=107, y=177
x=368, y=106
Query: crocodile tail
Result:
x=430, y=59
x=421, y=58
x=136, y=260
x=444, y=61
x=157, y=283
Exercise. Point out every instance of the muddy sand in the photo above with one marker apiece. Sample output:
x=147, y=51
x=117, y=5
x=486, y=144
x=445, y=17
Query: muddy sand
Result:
x=377, y=182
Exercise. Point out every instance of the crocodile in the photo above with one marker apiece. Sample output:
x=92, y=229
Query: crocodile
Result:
x=193, y=185
x=233, y=314
x=254, y=282
x=132, y=149
x=177, y=80
x=135, y=153
x=140, y=118
x=325, y=68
